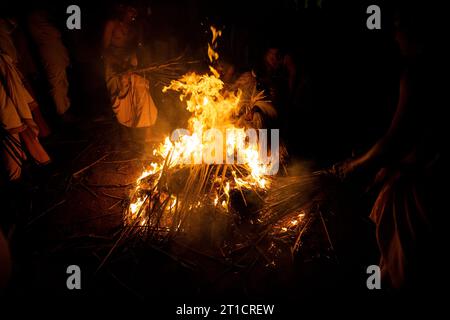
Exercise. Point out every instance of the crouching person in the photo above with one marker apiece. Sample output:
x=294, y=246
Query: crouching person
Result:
x=130, y=96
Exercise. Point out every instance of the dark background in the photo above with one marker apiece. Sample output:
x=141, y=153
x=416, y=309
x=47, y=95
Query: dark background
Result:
x=347, y=75
x=346, y=95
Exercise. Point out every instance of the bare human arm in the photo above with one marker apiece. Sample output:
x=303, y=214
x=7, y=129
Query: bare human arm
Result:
x=393, y=145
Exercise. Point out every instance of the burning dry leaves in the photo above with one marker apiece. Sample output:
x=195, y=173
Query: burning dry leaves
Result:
x=231, y=205
x=230, y=214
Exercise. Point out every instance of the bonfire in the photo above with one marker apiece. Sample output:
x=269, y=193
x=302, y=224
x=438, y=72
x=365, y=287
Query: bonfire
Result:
x=193, y=173
x=217, y=171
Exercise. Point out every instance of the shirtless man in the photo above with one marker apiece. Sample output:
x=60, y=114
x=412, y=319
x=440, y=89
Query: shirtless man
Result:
x=412, y=169
x=130, y=96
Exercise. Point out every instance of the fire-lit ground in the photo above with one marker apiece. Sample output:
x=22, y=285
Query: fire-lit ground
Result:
x=74, y=214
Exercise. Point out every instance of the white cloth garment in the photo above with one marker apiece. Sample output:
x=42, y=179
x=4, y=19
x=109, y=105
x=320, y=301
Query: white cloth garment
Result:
x=54, y=57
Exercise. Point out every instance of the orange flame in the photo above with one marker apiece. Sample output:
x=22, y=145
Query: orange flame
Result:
x=211, y=108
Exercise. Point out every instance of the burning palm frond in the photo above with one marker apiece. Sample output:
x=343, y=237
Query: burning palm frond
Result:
x=258, y=99
x=292, y=194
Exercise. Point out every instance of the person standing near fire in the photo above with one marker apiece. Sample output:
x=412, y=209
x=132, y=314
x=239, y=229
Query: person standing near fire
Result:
x=130, y=95
x=277, y=74
x=410, y=170
x=8, y=34
x=19, y=131
x=54, y=58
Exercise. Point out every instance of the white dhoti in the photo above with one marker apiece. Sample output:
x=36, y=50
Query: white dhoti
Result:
x=55, y=62
x=131, y=101
x=130, y=95
x=14, y=98
x=16, y=121
x=54, y=58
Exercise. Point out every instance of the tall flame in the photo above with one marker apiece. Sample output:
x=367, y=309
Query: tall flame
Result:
x=211, y=107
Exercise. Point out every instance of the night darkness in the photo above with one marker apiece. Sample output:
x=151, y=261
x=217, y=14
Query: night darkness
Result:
x=362, y=137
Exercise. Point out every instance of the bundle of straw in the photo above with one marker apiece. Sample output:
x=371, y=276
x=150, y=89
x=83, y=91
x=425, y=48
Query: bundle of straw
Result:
x=162, y=73
x=291, y=194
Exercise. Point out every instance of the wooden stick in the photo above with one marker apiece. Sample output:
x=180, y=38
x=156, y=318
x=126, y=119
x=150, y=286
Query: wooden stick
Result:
x=110, y=185
x=128, y=160
x=113, y=196
x=76, y=174
x=46, y=212
x=88, y=189
x=115, y=204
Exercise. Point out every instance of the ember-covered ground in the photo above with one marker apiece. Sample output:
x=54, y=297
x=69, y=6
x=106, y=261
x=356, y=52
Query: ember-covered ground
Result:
x=72, y=213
